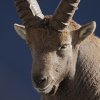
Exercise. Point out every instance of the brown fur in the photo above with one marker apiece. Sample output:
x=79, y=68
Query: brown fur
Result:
x=86, y=83
x=66, y=58
x=87, y=66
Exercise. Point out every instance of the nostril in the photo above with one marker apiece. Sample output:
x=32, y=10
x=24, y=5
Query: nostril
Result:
x=40, y=80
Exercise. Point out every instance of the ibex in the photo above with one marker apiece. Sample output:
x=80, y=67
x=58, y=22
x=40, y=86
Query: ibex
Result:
x=66, y=55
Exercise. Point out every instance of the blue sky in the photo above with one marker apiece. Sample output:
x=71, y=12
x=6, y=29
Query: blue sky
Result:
x=15, y=57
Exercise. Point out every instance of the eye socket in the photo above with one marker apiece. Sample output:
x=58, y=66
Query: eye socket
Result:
x=62, y=47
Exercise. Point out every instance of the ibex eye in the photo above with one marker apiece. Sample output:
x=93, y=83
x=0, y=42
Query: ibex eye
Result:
x=62, y=47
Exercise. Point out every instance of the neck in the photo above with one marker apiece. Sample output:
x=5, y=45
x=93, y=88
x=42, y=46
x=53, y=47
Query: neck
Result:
x=65, y=86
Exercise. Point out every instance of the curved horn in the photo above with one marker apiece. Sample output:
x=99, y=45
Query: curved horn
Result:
x=64, y=13
x=28, y=11
x=35, y=8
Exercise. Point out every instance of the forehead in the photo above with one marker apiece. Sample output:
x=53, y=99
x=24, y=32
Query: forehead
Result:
x=40, y=35
x=44, y=38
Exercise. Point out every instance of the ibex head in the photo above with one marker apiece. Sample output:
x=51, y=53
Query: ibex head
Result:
x=53, y=41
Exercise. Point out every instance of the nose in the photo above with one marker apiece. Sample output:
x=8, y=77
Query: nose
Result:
x=40, y=80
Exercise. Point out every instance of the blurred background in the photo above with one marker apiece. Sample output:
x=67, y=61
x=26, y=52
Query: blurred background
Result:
x=15, y=57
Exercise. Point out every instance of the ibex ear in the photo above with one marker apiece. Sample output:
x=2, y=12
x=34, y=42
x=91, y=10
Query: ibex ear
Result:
x=21, y=31
x=86, y=30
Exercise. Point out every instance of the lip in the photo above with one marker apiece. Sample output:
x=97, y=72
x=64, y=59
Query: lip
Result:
x=49, y=89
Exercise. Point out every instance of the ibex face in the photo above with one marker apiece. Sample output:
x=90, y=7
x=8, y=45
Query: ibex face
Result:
x=53, y=42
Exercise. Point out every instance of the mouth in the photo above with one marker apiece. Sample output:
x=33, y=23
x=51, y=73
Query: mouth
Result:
x=53, y=90
x=50, y=89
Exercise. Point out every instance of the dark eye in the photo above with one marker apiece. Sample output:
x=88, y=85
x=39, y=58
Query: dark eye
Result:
x=62, y=47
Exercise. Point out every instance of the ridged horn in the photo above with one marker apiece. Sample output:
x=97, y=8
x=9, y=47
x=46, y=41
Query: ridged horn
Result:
x=64, y=13
x=29, y=11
